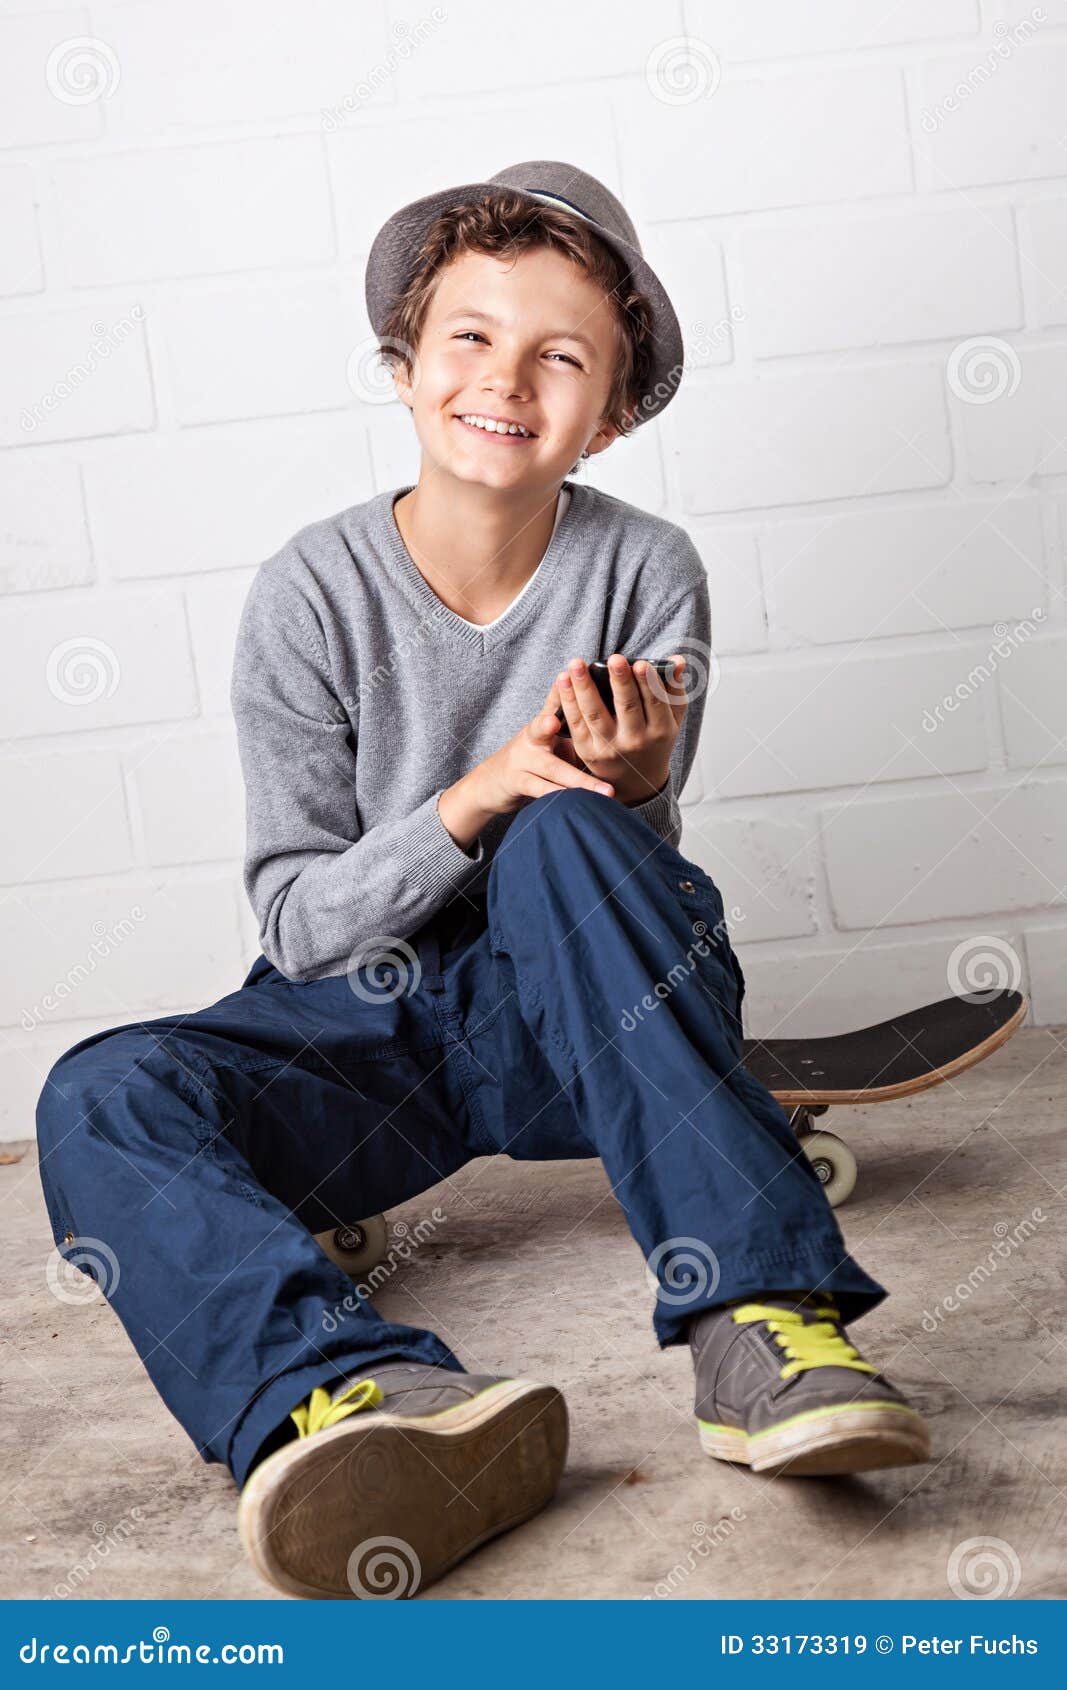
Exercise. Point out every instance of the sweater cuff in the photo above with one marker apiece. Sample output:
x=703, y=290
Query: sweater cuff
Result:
x=661, y=812
x=431, y=859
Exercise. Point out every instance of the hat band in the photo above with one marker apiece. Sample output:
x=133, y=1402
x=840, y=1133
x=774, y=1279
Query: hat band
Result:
x=554, y=199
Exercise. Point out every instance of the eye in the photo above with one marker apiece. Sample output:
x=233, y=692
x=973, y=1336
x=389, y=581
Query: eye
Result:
x=474, y=334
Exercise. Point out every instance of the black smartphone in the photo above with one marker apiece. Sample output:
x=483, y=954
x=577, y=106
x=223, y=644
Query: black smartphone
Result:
x=600, y=675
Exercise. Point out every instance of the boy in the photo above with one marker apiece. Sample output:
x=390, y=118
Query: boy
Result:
x=397, y=675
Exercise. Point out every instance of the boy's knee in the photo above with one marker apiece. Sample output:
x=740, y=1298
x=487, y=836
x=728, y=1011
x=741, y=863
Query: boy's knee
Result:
x=550, y=817
x=85, y=1078
x=533, y=831
x=54, y=1105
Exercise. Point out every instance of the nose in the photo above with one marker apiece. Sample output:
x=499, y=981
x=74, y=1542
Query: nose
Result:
x=508, y=377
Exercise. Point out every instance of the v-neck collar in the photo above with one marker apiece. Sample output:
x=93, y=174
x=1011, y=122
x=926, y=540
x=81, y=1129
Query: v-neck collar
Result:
x=418, y=588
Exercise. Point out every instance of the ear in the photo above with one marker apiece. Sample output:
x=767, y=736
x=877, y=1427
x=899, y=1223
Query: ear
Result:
x=602, y=439
x=402, y=382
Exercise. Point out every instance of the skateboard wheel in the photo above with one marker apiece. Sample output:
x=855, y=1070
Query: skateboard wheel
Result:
x=358, y=1247
x=834, y=1163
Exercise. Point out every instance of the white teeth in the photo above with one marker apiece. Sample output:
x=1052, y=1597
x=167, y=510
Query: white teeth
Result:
x=488, y=426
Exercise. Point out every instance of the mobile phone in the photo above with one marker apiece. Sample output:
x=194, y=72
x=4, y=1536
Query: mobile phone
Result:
x=600, y=675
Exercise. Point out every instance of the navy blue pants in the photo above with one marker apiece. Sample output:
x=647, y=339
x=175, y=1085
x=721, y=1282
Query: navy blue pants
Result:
x=587, y=1005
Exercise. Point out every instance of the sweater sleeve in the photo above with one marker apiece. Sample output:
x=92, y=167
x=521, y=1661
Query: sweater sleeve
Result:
x=685, y=629
x=319, y=886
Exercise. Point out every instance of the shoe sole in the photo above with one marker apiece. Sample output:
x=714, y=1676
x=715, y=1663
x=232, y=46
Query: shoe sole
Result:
x=839, y=1440
x=381, y=1505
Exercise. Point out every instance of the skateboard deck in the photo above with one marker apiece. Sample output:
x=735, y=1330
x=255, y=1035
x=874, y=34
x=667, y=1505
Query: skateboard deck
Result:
x=894, y=1058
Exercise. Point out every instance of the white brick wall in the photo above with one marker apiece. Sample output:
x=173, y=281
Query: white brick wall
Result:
x=800, y=439
x=885, y=280
x=192, y=211
x=840, y=198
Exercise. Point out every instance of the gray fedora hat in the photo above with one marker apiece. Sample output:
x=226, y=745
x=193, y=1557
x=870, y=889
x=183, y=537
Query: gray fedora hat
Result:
x=545, y=182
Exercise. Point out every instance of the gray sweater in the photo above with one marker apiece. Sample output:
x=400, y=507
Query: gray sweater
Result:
x=359, y=697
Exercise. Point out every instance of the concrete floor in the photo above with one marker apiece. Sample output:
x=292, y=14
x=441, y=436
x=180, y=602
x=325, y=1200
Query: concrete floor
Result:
x=534, y=1272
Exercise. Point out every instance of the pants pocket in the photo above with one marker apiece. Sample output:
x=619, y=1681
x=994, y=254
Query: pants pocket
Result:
x=694, y=891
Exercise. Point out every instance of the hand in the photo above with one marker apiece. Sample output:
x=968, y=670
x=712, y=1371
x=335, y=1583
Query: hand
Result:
x=527, y=767
x=632, y=749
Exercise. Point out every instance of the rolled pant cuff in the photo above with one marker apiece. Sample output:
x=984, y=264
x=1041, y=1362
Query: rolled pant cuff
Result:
x=820, y=1267
x=282, y=1395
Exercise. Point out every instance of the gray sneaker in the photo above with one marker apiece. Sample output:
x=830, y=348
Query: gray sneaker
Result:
x=396, y=1476
x=780, y=1387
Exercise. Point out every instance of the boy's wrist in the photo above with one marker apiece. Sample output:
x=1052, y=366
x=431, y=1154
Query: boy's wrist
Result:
x=641, y=791
x=461, y=815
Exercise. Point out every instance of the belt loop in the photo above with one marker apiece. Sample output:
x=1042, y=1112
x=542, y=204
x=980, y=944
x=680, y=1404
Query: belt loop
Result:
x=429, y=950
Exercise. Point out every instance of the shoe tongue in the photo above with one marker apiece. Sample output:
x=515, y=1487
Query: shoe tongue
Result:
x=391, y=1378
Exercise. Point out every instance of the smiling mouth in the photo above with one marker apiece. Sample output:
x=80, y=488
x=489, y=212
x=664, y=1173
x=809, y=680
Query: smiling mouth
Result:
x=508, y=434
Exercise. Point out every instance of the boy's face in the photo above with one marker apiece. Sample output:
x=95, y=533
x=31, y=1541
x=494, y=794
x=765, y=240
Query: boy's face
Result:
x=528, y=340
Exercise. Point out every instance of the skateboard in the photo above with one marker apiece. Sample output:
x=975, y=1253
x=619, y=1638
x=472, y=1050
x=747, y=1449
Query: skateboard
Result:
x=892, y=1059
x=357, y=1247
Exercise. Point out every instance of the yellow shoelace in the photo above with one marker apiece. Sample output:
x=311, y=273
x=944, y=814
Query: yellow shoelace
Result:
x=318, y=1411
x=807, y=1344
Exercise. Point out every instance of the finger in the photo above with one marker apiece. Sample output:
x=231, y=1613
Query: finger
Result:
x=663, y=698
x=629, y=706
x=538, y=786
x=594, y=713
x=543, y=729
x=565, y=775
x=572, y=710
x=555, y=704
x=670, y=688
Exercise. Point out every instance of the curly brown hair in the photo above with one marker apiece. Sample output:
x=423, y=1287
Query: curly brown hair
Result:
x=502, y=223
